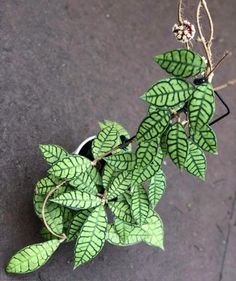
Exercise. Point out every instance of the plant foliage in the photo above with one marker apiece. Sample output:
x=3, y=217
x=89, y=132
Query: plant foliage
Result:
x=77, y=193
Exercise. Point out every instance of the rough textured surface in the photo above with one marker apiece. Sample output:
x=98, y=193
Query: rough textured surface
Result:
x=65, y=64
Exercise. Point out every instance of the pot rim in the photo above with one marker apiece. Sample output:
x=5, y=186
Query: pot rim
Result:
x=78, y=149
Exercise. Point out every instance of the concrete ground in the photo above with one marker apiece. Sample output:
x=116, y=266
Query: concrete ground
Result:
x=65, y=65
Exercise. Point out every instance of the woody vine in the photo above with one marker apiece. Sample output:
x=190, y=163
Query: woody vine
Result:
x=73, y=199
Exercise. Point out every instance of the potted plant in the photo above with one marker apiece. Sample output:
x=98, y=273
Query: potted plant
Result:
x=107, y=173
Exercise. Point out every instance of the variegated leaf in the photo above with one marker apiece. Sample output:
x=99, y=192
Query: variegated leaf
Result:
x=205, y=138
x=156, y=188
x=196, y=161
x=119, y=185
x=139, y=204
x=177, y=144
x=87, y=181
x=77, y=222
x=153, y=126
x=181, y=63
x=91, y=237
x=169, y=92
x=146, y=152
x=32, y=257
x=52, y=153
x=70, y=167
x=201, y=106
x=77, y=200
x=106, y=140
x=121, y=160
x=141, y=174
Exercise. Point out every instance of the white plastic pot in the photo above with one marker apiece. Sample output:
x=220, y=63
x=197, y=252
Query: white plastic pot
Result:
x=79, y=148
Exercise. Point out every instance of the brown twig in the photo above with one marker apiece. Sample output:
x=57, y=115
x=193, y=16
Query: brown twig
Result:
x=218, y=63
x=62, y=236
x=120, y=146
x=207, y=44
x=180, y=10
x=211, y=37
x=227, y=84
x=180, y=18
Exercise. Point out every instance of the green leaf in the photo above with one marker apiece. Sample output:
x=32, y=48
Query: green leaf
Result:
x=201, y=106
x=38, y=203
x=119, y=128
x=53, y=213
x=52, y=153
x=153, y=108
x=121, y=210
x=109, y=174
x=32, y=257
x=67, y=218
x=205, y=139
x=153, y=230
x=153, y=126
x=146, y=152
x=70, y=167
x=105, y=141
x=139, y=204
x=46, y=235
x=119, y=185
x=121, y=131
x=87, y=181
x=177, y=144
x=77, y=222
x=124, y=197
x=181, y=63
x=77, y=200
x=127, y=196
x=121, y=160
x=196, y=161
x=124, y=234
x=113, y=237
x=54, y=217
x=141, y=174
x=163, y=142
x=44, y=185
x=91, y=237
x=169, y=92
x=156, y=188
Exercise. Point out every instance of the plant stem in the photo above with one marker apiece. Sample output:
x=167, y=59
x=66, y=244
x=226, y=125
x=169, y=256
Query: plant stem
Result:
x=129, y=141
x=180, y=18
x=227, y=84
x=218, y=63
x=206, y=44
x=120, y=146
x=61, y=236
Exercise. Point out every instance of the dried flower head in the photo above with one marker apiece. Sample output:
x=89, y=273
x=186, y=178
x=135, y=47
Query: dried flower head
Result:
x=184, y=32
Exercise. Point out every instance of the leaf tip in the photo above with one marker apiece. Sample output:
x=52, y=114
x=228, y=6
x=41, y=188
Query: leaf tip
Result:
x=162, y=247
x=156, y=58
x=51, y=171
x=203, y=177
x=41, y=147
x=100, y=124
x=143, y=97
x=8, y=268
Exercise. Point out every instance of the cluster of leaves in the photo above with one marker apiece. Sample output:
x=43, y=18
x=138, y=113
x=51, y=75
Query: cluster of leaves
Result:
x=130, y=183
